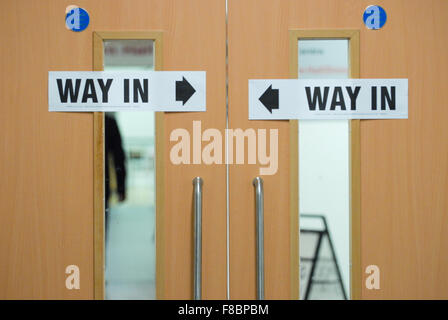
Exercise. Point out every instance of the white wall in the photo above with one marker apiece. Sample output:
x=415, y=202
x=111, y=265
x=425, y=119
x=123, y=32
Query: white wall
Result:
x=324, y=152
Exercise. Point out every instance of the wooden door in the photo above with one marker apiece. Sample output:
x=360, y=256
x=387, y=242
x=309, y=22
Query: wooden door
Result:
x=47, y=159
x=258, y=48
x=399, y=172
x=47, y=194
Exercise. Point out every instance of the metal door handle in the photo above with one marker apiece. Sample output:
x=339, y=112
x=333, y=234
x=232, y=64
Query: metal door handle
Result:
x=197, y=186
x=259, y=212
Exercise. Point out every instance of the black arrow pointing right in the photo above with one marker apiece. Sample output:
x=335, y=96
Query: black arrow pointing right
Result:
x=184, y=90
x=270, y=99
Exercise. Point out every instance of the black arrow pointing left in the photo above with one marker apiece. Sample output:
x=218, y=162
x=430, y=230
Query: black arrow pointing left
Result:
x=184, y=90
x=270, y=99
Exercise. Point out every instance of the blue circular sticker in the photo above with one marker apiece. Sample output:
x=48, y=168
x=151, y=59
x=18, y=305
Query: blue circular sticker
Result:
x=374, y=17
x=76, y=19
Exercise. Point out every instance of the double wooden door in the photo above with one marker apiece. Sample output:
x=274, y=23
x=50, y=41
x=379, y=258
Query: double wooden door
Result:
x=49, y=190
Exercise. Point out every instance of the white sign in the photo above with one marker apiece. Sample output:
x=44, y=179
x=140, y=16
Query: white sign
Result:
x=74, y=91
x=328, y=99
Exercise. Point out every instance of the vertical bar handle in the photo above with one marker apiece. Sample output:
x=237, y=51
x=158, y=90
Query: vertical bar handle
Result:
x=259, y=213
x=197, y=186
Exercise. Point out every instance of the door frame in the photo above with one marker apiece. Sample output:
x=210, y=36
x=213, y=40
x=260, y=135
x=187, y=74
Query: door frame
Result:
x=98, y=165
x=355, y=161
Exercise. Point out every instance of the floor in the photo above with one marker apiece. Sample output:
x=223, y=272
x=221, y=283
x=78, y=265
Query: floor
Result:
x=130, y=244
